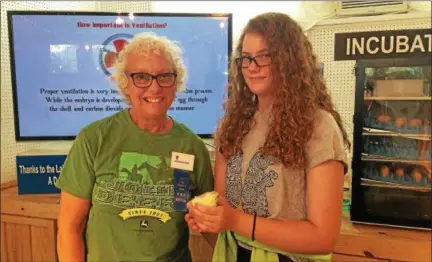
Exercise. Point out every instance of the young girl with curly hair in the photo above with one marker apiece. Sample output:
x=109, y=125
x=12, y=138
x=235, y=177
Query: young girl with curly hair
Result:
x=281, y=152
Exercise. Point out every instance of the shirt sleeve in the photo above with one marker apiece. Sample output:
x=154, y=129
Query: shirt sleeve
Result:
x=204, y=171
x=77, y=176
x=326, y=143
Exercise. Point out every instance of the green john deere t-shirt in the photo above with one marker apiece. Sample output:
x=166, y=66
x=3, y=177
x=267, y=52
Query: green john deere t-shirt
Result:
x=126, y=174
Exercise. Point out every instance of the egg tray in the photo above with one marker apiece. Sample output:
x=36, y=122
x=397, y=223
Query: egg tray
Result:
x=390, y=126
x=389, y=148
x=406, y=179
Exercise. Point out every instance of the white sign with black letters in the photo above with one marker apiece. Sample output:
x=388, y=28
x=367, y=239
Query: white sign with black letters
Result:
x=382, y=44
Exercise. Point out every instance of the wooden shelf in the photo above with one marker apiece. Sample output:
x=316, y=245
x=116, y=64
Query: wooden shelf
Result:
x=384, y=98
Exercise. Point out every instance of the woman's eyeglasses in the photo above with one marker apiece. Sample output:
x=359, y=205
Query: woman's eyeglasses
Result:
x=143, y=80
x=260, y=60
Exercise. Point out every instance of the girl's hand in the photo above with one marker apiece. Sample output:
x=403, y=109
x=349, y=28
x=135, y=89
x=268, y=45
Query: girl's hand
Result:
x=213, y=219
x=190, y=219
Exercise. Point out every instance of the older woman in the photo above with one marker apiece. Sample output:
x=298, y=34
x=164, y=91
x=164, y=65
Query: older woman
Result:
x=117, y=184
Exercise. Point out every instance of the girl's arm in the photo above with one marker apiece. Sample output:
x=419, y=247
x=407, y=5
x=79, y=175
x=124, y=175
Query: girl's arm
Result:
x=220, y=174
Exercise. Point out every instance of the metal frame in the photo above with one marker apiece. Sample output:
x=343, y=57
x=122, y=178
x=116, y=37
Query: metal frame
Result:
x=358, y=207
x=18, y=137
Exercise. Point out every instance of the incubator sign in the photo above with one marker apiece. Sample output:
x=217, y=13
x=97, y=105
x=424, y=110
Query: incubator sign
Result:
x=382, y=44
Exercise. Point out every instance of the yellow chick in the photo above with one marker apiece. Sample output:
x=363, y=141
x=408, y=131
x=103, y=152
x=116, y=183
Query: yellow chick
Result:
x=208, y=199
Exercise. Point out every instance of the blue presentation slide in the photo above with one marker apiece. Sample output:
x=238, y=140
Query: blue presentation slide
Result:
x=63, y=62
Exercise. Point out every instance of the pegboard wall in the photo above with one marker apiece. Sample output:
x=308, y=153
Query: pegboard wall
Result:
x=10, y=148
x=124, y=6
x=339, y=75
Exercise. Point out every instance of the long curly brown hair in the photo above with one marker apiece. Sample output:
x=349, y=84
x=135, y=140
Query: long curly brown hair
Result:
x=300, y=94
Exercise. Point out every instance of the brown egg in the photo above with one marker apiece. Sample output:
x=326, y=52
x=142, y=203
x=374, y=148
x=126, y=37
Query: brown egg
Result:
x=387, y=118
x=400, y=121
x=399, y=172
x=380, y=118
x=416, y=175
x=384, y=171
x=415, y=122
x=383, y=118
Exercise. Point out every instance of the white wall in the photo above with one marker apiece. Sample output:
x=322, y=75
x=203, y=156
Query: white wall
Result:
x=306, y=13
x=242, y=10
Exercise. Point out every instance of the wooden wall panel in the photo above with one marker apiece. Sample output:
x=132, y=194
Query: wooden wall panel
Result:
x=3, y=243
x=43, y=244
x=28, y=239
x=18, y=243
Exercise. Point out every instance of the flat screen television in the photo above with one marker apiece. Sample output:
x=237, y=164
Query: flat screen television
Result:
x=60, y=68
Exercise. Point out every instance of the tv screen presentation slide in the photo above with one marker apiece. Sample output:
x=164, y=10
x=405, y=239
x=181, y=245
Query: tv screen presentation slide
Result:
x=61, y=65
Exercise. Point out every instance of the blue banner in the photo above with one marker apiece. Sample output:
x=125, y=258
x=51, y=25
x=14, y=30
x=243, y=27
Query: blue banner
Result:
x=181, y=189
x=38, y=174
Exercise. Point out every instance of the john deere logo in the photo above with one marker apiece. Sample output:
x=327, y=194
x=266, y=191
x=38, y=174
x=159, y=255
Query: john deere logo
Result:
x=110, y=49
x=144, y=224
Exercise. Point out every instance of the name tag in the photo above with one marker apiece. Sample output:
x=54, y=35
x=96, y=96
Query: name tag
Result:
x=182, y=161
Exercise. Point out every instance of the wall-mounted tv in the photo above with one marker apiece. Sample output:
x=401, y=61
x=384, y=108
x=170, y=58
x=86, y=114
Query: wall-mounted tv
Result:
x=60, y=63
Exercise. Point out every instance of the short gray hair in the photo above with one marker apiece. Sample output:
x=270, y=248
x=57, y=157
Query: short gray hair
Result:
x=146, y=43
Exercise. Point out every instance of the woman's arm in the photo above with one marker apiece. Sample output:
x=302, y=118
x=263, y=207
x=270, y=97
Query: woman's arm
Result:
x=71, y=223
x=317, y=235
